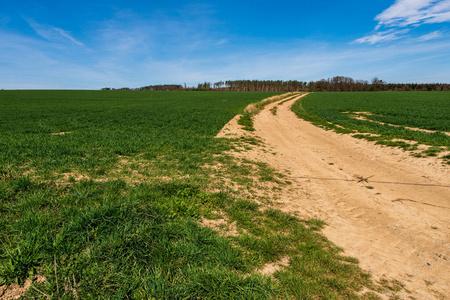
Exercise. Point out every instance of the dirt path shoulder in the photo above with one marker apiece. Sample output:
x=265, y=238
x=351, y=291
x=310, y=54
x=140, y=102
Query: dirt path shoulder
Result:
x=389, y=210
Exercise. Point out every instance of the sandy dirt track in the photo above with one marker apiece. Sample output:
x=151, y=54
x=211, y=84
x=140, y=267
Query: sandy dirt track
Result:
x=396, y=223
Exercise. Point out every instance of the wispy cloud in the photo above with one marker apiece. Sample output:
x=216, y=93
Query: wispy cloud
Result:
x=430, y=36
x=53, y=34
x=388, y=35
x=67, y=36
x=405, y=15
x=414, y=12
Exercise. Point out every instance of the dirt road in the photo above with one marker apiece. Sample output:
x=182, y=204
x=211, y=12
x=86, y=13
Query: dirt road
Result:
x=389, y=210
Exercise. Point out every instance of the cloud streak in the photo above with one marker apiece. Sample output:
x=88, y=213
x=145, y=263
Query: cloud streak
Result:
x=389, y=35
x=406, y=15
x=53, y=34
x=430, y=36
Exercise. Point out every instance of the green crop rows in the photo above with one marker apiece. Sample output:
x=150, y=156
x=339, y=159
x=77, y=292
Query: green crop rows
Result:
x=103, y=193
x=102, y=125
x=404, y=119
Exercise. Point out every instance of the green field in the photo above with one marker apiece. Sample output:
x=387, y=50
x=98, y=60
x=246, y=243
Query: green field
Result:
x=403, y=119
x=103, y=125
x=103, y=193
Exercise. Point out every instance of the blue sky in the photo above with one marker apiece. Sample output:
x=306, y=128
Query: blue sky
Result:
x=94, y=44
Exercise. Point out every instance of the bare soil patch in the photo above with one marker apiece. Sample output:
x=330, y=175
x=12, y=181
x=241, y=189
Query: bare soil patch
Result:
x=16, y=291
x=382, y=206
x=271, y=268
x=221, y=225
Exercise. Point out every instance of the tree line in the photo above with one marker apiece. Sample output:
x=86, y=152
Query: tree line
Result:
x=347, y=84
x=334, y=84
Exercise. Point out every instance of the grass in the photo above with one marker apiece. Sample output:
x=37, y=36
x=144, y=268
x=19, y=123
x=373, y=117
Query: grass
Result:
x=246, y=119
x=273, y=110
x=114, y=208
x=393, y=119
x=127, y=241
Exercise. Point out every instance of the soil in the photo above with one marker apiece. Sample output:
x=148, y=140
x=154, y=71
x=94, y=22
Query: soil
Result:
x=15, y=291
x=382, y=206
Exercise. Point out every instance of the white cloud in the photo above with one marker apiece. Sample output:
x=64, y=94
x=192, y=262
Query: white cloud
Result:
x=414, y=12
x=439, y=18
x=52, y=34
x=389, y=35
x=408, y=14
x=430, y=36
x=67, y=36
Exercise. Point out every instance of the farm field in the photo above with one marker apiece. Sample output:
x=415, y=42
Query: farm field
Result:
x=402, y=119
x=108, y=194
